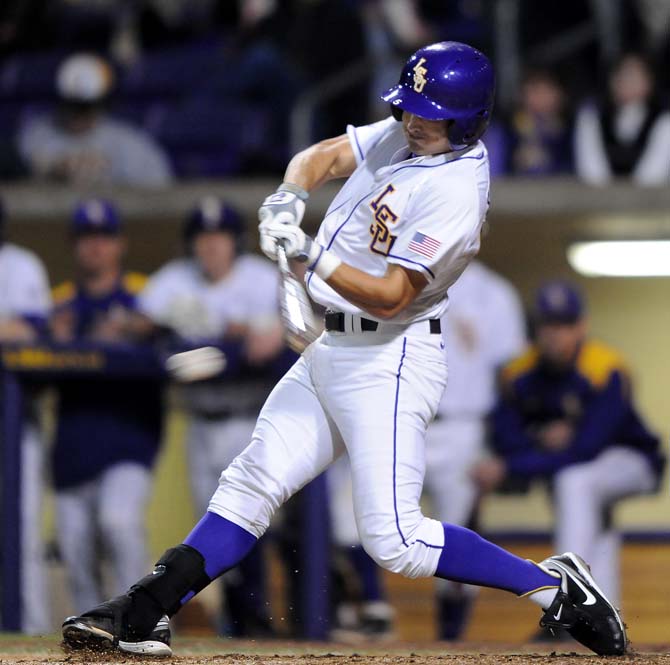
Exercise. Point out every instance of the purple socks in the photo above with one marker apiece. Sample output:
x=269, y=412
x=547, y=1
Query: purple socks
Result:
x=466, y=557
x=221, y=543
x=470, y=559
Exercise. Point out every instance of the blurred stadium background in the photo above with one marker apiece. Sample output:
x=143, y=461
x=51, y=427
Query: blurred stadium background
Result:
x=229, y=90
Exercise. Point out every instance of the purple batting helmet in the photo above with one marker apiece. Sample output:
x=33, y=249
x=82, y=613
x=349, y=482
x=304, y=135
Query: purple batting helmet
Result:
x=447, y=81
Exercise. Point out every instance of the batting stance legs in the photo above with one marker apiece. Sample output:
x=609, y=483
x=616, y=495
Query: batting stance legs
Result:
x=379, y=412
x=374, y=394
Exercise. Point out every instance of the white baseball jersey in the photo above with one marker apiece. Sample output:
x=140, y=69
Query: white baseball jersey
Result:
x=483, y=329
x=424, y=213
x=24, y=286
x=180, y=297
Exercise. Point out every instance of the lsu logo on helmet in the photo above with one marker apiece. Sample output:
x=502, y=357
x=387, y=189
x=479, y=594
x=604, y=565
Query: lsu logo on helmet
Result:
x=420, y=75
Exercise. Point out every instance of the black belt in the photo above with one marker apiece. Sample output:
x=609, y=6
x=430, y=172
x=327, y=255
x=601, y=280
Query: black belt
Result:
x=335, y=322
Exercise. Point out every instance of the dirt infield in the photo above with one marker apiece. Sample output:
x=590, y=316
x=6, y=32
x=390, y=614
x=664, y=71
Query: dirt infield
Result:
x=393, y=659
x=47, y=650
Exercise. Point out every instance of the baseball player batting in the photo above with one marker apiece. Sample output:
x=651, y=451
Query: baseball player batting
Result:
x=402, y=228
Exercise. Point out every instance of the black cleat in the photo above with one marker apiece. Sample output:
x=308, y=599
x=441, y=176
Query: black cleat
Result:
x=582, y=609
x=103, y=629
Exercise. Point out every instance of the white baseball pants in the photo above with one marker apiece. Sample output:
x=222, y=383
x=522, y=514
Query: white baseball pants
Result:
x=581, y=494
x=373, y=394
x=113, y=506
x=453, y=446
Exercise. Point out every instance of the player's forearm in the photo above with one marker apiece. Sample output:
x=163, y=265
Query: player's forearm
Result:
x=382, y=297
x=321, y=162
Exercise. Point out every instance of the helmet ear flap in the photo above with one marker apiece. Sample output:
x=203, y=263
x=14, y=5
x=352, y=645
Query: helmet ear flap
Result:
x=396, y=112
x=461, y=134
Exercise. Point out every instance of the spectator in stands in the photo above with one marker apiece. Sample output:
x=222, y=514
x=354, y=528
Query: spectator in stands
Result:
x=79, y=143
x=566, y=415
x=646, y=24
x=627, y=133
x=214, y=294
x=24, y=307
x=484, y=329
x=540, y=129
x=108, y=429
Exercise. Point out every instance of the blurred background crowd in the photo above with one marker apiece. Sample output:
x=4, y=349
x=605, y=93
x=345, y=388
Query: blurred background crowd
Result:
x=100, y=94
x=218, y=88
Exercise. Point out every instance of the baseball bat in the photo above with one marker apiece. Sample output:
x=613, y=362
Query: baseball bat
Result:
x=296, y=310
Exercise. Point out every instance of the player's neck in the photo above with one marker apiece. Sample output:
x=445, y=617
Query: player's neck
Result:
x=100, y=283
x=217, y=274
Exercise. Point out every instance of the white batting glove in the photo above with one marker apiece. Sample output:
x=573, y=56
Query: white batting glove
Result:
x=300, y=247
x=286, y=205
x=268, y=245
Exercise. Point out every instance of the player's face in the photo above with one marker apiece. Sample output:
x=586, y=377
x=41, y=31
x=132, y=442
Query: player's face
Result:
x=631, y=82
x=215, y=252
x=96, y=253
x=425, y=137
x=558, y=343
x=542, y=96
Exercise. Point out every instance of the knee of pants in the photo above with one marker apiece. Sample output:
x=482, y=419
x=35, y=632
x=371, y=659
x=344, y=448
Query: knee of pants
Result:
x=393, y=552
x=575, y=482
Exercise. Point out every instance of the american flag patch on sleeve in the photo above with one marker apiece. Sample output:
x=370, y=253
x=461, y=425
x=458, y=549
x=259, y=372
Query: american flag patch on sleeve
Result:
x=424, y=245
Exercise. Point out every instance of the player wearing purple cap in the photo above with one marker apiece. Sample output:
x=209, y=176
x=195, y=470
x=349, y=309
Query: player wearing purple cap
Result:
x=403, y=227
x=108, y=432
x=566, y=415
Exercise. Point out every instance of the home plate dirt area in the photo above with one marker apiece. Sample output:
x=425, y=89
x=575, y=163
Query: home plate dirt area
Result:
x=29, y=651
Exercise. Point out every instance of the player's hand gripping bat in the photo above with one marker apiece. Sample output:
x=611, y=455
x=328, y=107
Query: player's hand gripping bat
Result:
x=296, y=310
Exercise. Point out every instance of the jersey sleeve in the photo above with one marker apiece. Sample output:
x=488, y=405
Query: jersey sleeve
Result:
x=366, y=137
x=30, y=295
x=441, y=230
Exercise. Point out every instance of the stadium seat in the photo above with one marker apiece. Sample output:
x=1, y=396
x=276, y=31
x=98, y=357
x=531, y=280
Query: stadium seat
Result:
x=173, y=72
x=29, y=76
x=209, y=136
